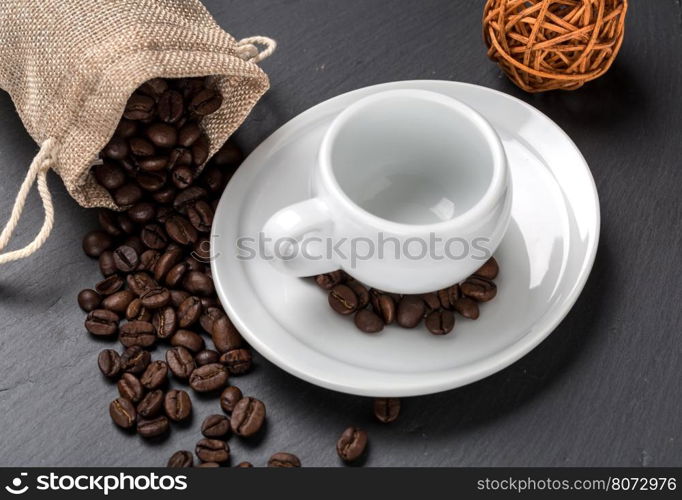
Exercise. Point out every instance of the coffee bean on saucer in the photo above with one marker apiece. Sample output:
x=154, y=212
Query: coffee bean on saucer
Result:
x=188, y=339
x=361, y=292
x=215, y=427
x=122, y=413
x=283, y=459
x=96, y=242
x=135, y=360
x=386, y=410
x=229, y=398
x=352, y=444
x=237, y=361
x=383, y=305
x=247, y=417
x=207, y=356
x=467, y=307
x=180, y=460
x=212, y=450
x=440, y=322
x=149, y=428
x=224, y=334
x=180, y=362
x=155, y=375
x=151, y=404
x=89, y=300
x=139, y=333
x=488, y=270
x=410, y=311
x=118, y=302
x=368, y=321
x=130, y=387
x=479, y=288
x=328, y=281
x=101, y=322
x=208, y=378
x=177, y=405
x=109, y=362
x=343, y=300
x=431, y=302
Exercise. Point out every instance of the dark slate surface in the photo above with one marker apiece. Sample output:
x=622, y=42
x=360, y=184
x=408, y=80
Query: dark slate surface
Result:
x=602, y=390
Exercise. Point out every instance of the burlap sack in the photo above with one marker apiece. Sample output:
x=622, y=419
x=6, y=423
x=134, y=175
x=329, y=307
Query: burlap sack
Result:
x=70, y=66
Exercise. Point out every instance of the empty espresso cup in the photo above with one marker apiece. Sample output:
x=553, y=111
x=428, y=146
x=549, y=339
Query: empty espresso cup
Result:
x=410, y=193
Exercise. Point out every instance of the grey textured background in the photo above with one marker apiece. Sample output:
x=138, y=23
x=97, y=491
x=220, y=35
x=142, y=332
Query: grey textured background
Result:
x=602, y=390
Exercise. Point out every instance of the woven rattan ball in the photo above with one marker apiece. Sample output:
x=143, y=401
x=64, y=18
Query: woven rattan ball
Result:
x=553, y=44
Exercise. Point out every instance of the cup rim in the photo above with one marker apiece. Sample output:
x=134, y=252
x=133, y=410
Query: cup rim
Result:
x=492, y=195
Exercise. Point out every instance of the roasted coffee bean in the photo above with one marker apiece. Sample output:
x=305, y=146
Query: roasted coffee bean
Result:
x=148, y=260
x=162, y=135
x=152, y=181
x=180, y=230
x=431, y=302
x=176, y=274
x=187, y=197
x=188, y=339
x=224, y=334
x=478, y=288
x=237, y=361
x=244, y=465
x=119, y=301
x=448, y=296
x=154, y=236
x=123, y=413
x=210, y=301
x=125, y=259
x=361, y=292
x=182, y=176
x=440, y=322
x=178, y=296
x=180, y=362
x=109, y=362
x=101, y=322
x=89, y=300
x=181, y=460
x=109, y=175
x=200, y=150
x=205, y=102
x=228, y=155
x=96, y=242
x=189, y=311
x=149, y=428
x=153, y=164
x=368, y=321
x=130, y=387
x=247, y=417
x=212, y=450
x=164, y=195
x=107, y=264
x=171, y=106
x=136, y=243
x=135, y=360
x=139, y=333
x=108, y=221
x=410, y=311
x=136, y=311
x=180, y=157
x=188, y=134
x=109, y=285
x=208, y=465
x=213, y=179
x=283, y=459
x=177, y=405
x=215, y=426
x=125, y=129
x=208, y=378
x=155, y=375
x=328, y=281
x=166, y=261
x=467, y=307
x=384, y=306
x=206, y=357
x=142, y=212
x=201, y=216
x=207, y=318
x=153, y=88
x=116, y=149
x=488, y=270
x=386, y=410
x=155, y=298
x=229, y=398
x=139, y=107
x=165, y=322
x=198, y=283
x=127, y=195
x=352, y=444
x=151, y=405
x=343, y=300
x=190, y=86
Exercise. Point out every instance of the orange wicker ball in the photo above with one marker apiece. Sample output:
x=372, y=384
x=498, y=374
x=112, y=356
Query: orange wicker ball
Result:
x=553, y=44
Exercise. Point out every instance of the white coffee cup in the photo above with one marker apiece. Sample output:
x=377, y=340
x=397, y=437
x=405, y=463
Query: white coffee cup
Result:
x=399, y=172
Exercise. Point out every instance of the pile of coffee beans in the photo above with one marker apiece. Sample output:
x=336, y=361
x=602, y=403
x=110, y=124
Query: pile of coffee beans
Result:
x=373, y=309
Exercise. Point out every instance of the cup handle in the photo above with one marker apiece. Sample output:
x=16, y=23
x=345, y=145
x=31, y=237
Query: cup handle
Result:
x=286, y=230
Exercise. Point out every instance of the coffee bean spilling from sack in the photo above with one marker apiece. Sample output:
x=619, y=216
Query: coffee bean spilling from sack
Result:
x=372, y=309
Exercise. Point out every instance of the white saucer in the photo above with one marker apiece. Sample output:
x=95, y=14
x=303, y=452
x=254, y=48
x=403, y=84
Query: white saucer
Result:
x=545, y=259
